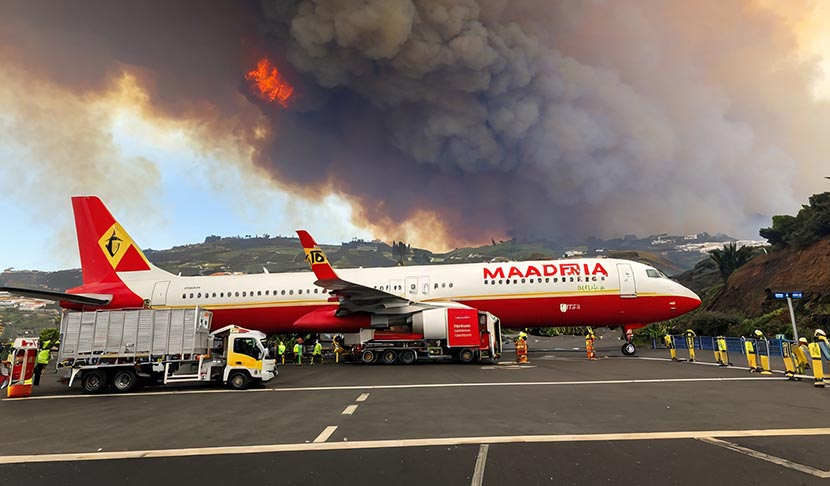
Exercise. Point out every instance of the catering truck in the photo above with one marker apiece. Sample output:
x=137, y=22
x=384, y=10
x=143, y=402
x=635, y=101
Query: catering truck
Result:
x=446, y=333
x=123, y=348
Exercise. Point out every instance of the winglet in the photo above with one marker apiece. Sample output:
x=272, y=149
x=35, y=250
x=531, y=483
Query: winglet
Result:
x=316, y=258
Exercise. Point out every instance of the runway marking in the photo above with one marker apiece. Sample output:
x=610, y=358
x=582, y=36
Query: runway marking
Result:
x=325, y=434
x=766, y=457
x=362, y=397
x=706, y=363
x=349, y=410
x=397, y=387
x=481, y=460
x=319, y=445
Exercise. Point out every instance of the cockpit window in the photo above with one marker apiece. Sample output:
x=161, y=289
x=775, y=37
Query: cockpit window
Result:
x=653, y=273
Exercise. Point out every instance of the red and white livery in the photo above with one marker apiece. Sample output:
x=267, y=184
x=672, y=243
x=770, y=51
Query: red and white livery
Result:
x=571, y=292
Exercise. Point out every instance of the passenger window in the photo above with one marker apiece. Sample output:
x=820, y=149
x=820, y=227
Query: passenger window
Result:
x=282, y=292
x=259, y=292
x=547, y=279
x=191, y=295
x=243, y=294
x=236, y=293
x=184, y=296
x=492, y=282
x=291, y=292
x=214, y=295
x=300, y=292
x=450, y=284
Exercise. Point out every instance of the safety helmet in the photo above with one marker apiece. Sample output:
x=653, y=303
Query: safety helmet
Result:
x=802, y=340
x=818, y=333
x=758, y=333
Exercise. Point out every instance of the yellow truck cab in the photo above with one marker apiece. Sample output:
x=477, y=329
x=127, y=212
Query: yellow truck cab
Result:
x=246, y=359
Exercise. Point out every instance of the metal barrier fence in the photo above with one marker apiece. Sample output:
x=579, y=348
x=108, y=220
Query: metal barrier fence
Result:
x=709, y=343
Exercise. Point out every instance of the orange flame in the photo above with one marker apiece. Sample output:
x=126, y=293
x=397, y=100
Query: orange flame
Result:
x=270, y=84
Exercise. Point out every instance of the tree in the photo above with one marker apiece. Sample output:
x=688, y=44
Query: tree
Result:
x=50, y=334
x=730, y=258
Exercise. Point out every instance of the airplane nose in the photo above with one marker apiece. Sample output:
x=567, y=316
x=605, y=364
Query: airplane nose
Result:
x=688, y=301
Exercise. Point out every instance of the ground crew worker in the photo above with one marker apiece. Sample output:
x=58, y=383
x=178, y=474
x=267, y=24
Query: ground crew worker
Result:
x=690, y=344
x=43, y=357
x=815, y=354
x=823, y=343
x=669, y=341
x=298, y=352
x=281, y=352
x=521, y=348
x=788, y=356
x=317, y=352
x=751, y=362
x=723, y=351
x=590, y=337
x=801, y=351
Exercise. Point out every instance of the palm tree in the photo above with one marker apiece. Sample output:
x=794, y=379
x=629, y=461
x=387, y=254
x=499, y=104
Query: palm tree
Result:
x=730, y=258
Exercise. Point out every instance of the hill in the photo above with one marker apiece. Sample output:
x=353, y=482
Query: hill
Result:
x=748, y=292
x=281, y=254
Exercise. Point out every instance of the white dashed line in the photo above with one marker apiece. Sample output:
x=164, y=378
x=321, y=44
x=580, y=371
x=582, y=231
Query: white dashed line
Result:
x=362, y=397
x=766, y=457
x=325, y=434
x=349, y=410
x=481, y=460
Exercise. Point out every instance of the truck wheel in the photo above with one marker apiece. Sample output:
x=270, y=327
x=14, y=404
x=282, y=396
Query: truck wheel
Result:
x=125, y=381
x=466, y=355
x=389, y=357
x=407, y=356
x=368, y=356
x=94, y=381
x=238, y=380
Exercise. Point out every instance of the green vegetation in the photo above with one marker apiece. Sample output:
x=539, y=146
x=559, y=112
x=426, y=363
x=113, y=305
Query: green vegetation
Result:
x=730, y=258
x=811, y=224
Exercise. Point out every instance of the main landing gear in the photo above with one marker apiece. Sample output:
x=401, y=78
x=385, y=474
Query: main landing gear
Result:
x=628, y=349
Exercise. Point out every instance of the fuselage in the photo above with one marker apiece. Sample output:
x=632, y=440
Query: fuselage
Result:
x=572, y=292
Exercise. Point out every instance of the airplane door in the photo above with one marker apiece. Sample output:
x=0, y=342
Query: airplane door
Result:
x=423, y=287
x=412, y=289
x=160, y=293
x=627, y=286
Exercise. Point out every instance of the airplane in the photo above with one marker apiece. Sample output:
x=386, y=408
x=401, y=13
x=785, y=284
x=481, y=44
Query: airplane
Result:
x=545, y=293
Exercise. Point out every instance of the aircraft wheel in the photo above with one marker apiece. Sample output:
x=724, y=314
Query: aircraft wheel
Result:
x=368, y=356
x=407, y=356
x=125, y=381
x=389, y=357
x=466, y=355
x=628, y=349
x=94, y=381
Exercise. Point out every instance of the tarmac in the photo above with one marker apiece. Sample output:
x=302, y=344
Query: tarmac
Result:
x=560, y=419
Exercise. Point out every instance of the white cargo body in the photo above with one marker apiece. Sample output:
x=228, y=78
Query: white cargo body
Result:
x=125, y=347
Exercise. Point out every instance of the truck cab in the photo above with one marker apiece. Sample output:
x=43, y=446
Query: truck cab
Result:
x=246, y=359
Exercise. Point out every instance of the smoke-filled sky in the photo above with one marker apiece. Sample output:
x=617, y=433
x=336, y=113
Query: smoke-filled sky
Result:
x=434, y=121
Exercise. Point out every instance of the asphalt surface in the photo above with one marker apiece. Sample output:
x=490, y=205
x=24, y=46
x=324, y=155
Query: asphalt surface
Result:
x=561, y=419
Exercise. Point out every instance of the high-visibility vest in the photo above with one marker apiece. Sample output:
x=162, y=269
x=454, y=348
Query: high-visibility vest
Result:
x=43, y=355
x=318, y=348
x=298, y=349
x=281, y=349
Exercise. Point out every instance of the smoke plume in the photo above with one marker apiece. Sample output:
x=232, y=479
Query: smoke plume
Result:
x=462, y=120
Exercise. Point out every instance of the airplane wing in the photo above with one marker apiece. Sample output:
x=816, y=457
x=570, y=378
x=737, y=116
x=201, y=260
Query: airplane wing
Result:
x=83, y=299
x=353, y=297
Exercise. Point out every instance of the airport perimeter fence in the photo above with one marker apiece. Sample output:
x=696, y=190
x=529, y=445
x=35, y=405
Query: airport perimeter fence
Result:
x=733, y=344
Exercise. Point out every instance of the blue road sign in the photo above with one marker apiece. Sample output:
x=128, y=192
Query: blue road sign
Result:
x=788, y=295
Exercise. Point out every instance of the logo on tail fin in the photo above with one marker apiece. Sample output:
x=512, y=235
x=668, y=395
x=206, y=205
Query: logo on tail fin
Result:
x=315, y=256
x=116, y=244
x=113, y=244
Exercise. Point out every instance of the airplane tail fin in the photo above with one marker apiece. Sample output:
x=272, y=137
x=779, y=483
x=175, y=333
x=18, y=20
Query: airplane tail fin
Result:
x=316, y=258
x=105, y=247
